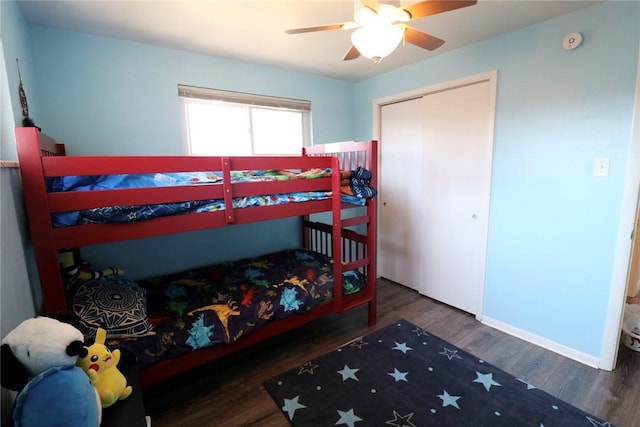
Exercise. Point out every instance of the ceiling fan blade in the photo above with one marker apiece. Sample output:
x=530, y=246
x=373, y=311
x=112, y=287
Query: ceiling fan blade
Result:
x=420, y=39
x=351, y=54
x=371, y=4
x=433, y=7
x=317, y=28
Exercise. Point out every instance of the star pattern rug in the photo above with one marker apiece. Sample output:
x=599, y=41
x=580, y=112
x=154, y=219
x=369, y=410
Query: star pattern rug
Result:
x=403, y=376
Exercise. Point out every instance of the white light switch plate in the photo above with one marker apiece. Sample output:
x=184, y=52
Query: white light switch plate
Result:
x=601, y=166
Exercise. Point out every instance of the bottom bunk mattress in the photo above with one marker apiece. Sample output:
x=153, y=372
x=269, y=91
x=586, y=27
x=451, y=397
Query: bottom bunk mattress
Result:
x=170, y=315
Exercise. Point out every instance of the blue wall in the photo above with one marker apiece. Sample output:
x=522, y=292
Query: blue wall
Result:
x=16, y=296
x=108, y=96
x=553, y=225
x=14, y=33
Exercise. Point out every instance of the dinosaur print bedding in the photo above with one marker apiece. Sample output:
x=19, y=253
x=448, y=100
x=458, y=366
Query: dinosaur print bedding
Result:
x=219, y=304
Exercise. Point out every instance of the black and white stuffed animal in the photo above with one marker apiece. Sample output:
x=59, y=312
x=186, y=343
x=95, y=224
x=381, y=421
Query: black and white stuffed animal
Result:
x=38, y=361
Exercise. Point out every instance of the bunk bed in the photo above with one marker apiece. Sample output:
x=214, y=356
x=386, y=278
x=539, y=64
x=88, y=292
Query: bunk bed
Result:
x=339, y=254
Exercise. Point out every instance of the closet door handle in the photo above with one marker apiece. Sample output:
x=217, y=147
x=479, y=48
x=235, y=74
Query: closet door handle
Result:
x=474, y=216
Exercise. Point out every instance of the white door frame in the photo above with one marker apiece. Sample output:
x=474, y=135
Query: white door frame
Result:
x=490, y=76
x=622, y=259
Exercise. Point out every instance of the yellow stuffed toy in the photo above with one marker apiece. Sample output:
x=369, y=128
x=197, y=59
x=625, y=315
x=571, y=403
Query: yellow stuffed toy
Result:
x=77, y=270
x=101, y=365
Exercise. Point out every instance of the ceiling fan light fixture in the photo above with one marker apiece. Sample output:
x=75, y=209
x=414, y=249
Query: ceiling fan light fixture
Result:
x=377, y=41
x=364, y=16
x=379, y=27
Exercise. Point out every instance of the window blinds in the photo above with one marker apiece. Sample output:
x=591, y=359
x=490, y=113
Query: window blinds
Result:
x=243, y=98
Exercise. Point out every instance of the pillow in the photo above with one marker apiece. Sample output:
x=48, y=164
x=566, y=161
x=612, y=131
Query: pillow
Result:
x=113, y=303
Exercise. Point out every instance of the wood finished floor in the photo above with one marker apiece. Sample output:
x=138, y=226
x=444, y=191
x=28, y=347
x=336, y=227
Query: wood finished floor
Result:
x=229, y=392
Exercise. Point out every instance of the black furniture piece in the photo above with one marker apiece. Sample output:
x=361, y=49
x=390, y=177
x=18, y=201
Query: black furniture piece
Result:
x=130, y=411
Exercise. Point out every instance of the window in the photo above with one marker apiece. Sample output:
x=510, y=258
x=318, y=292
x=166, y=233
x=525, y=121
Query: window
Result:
x=223, y=123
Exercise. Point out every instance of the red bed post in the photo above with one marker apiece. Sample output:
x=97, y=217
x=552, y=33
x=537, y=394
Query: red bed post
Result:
x=372, y=234
x=30, y=146
x=336, y=235
x=350, y=155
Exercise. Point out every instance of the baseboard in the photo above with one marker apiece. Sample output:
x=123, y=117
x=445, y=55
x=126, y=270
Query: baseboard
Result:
x=563, y=350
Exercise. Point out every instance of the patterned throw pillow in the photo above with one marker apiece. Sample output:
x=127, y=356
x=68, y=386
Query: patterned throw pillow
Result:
x=113, y=303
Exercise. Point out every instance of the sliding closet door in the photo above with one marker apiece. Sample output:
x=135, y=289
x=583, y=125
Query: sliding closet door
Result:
x=401, y=143
x=435, y=179
x=456, y=175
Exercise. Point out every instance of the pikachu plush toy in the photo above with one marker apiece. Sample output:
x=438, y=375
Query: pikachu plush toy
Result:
x=101, y=365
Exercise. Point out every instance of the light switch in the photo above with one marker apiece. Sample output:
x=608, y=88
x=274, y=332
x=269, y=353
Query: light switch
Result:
x=601, y=166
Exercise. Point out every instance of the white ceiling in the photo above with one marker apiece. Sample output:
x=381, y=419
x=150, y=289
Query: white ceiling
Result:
x=254, y=30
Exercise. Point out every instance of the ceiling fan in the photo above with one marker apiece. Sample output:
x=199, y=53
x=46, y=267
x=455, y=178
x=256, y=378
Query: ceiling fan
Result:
x=379, y=28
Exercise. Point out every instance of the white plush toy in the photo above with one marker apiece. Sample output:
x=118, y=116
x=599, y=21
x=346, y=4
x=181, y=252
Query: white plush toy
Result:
x=38, y=360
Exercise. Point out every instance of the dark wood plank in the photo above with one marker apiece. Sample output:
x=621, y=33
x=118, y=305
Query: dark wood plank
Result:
x=229, y=392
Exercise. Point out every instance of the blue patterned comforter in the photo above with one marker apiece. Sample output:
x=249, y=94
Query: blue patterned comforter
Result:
x=134, y=213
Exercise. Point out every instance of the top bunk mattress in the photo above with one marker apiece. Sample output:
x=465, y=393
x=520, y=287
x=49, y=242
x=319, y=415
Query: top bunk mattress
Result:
x=355, y=190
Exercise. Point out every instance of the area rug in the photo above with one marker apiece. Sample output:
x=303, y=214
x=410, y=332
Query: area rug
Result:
x=404, y=376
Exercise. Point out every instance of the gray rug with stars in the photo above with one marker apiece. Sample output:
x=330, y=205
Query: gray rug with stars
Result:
x=403, y=376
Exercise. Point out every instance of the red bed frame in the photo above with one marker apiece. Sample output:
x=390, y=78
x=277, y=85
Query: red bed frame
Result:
x=351, y=242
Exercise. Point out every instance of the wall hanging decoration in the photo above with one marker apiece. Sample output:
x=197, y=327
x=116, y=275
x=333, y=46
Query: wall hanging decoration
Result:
x=26, y=120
